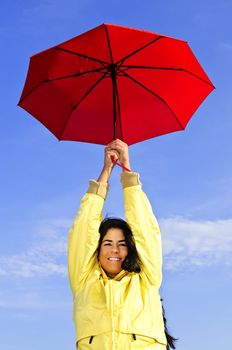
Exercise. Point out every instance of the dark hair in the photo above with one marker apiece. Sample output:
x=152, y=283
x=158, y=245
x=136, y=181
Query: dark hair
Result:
x=170, y=339
x=132, y=262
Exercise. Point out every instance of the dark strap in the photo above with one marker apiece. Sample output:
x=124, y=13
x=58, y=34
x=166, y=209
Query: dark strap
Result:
x=91, y=339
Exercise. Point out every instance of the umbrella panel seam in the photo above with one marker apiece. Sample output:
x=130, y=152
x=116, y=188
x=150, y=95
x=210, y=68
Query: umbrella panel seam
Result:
x=32, y=90
x=46, y=81
x=77, y=74
x=82, y=99
x=139, y=49
x=154, y=94
x=167, y=68
x=82, y=55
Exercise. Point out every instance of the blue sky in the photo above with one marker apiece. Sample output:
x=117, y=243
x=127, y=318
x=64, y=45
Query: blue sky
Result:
x=187, y=175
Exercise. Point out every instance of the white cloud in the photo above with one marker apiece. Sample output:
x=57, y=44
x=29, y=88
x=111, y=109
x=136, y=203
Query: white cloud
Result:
x=189, y=243
x=45, y=258
x=186, y=243
x=25, y=266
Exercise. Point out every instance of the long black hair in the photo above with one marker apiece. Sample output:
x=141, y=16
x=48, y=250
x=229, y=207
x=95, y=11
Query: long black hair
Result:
x=132, y=262
x=170, y=339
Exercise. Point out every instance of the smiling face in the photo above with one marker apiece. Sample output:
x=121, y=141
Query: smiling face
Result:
x=113, y=252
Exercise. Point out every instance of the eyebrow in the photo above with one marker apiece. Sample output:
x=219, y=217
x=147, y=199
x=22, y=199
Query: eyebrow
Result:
x=110, y=240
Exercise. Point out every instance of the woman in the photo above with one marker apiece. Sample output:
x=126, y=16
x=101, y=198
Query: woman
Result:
x=115, y=278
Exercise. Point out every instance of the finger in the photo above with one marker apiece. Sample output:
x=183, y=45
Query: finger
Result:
x=116, y=141
x=115, y=145
x=107, y=148
x=111, y=152
x=118, y=144
x=115, y=154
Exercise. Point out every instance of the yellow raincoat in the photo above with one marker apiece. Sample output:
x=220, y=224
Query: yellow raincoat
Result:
x=124, y=312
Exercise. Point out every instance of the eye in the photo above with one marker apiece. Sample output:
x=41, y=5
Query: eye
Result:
x=123, y=244
x=107, y=244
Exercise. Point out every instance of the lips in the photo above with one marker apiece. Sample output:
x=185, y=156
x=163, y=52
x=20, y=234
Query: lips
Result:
x=114, y=259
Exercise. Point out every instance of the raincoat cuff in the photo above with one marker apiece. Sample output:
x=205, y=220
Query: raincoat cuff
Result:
x=129, y=179
x=99, y=188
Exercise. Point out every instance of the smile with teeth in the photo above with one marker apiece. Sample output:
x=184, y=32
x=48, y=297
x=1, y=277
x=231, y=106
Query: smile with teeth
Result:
x=114, y=259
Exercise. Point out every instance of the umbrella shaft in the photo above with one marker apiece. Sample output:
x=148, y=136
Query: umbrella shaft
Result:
x=113, y=77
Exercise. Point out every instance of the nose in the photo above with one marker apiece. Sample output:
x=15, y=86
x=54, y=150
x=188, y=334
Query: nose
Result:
x=115, y=249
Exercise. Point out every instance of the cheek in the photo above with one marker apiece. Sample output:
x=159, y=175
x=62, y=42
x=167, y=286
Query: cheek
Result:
x=124, y=252
x=103, y=253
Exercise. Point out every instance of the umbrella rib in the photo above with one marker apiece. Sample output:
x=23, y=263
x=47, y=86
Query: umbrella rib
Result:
x=60, y=78
x=86, y=94
x=78, y=74
x=139, y=49
x=82, y=55
x=30, y=92
x=154, y=94
x=167, y=68
x=149, y=67
x=108, y=39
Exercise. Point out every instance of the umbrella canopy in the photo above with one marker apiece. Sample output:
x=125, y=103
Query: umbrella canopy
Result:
x=115, y=82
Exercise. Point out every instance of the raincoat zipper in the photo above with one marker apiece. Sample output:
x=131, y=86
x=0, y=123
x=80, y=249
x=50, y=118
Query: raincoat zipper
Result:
x=112, y=314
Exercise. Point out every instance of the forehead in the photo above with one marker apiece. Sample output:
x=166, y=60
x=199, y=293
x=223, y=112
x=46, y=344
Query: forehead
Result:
x=114, y=234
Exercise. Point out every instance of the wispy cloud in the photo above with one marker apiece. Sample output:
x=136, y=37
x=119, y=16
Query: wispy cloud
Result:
x=189, y=243
x=45, y=258
x=186, y=243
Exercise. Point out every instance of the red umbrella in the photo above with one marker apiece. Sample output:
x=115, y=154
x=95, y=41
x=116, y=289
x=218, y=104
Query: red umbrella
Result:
x=115, y=82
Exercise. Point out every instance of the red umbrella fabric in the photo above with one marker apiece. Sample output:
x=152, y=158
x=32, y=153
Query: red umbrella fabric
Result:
x=115, y=82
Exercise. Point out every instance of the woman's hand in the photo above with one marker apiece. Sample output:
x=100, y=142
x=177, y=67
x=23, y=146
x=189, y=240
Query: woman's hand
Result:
x=109, y=153
x=108, y=164
x=121, y=149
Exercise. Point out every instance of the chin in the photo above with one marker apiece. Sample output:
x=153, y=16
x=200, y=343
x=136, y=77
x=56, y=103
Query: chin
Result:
x=113, y=273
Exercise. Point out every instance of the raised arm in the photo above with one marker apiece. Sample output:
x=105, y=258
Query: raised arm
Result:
x=84, y=235
x=141, y=219
x=143, y=223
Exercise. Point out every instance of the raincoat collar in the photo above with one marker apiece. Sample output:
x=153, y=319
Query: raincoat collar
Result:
x=118, y=277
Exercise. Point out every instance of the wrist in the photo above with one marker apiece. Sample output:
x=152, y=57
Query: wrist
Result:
x=126, y=165
x=107, y=168
x=105, y=173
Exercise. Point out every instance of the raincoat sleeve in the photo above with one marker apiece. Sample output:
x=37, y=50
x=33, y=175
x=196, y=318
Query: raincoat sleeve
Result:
x=140, y=217
x=83, y=235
